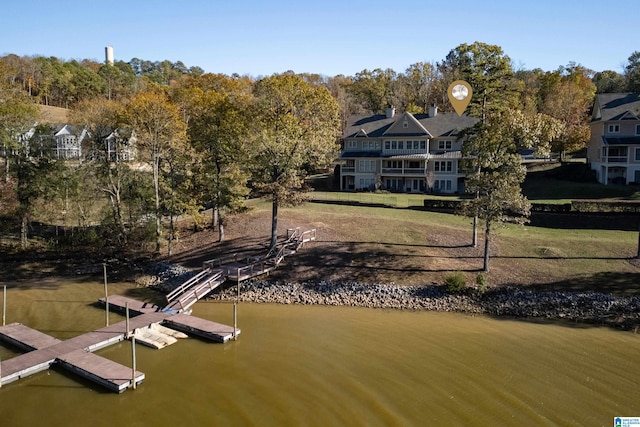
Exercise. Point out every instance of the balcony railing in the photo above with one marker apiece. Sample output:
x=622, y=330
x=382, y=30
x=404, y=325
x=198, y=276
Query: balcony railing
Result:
x=403, y=171
x=616, y=159
x=348, y=169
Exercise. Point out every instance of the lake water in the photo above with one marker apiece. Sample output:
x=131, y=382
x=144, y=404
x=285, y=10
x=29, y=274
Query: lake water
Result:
x=319, y=366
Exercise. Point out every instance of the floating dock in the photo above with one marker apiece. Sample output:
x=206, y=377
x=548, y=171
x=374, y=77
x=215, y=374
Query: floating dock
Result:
x=73, y=354
x=201, y=327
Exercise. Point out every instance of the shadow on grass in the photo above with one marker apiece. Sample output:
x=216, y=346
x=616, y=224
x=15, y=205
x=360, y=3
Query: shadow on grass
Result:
x=619, y=284
x=241, y=246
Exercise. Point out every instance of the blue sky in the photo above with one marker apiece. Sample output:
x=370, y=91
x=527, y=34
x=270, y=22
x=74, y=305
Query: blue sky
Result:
x=329, y=37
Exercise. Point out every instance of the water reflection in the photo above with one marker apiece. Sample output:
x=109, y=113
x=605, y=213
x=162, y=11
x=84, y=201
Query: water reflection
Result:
x=309, y=365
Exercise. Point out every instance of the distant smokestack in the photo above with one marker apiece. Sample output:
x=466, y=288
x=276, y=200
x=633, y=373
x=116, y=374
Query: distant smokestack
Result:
x=108, y=53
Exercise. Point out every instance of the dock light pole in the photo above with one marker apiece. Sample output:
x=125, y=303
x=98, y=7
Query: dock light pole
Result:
x=106, y=295
x=133, y=357
x=235, y=309
x=126, y=310
x=4, y=305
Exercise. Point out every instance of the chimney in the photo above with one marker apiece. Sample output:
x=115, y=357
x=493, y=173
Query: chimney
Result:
x=433, y=110
x=390, y=112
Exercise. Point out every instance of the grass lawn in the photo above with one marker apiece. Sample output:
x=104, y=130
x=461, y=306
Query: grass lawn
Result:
x=404, y=246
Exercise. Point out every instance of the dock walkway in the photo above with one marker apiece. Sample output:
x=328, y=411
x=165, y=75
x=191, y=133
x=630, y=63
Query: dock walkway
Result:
x=44, y=351
x=76, y=354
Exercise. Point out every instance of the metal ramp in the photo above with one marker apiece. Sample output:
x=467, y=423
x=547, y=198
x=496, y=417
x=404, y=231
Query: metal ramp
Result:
x=215, y=272
x=194, y=289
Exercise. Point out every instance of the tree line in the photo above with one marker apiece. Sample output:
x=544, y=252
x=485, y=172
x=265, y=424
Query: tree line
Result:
x=209, y=139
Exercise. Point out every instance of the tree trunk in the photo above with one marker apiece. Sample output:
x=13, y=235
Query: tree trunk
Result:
x=24, y=224
x=474, y=237
x=274, y=222
x=156, y=188
x=170, y=233
x=487, y=241
x=214, y=216
x=220, y=226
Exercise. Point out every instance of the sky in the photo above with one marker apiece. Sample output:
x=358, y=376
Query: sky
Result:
x=329, y=37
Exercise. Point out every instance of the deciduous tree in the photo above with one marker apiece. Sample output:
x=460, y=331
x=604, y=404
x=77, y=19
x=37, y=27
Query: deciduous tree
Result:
x=495, y=169
x=297, y=125
x=159, y=128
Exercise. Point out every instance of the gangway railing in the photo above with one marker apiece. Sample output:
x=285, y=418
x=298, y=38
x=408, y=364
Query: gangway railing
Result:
x=186, y=285
x=197, y=292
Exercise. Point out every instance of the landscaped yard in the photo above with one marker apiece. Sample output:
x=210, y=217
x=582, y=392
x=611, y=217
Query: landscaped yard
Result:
x=406, y=246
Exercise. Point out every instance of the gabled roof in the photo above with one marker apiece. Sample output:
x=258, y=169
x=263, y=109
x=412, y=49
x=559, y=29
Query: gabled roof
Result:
x=378, y=125
x=615, y=106
x=407, y=125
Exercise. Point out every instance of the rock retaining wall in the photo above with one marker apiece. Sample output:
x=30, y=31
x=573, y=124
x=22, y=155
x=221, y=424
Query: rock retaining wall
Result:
x=586, y=307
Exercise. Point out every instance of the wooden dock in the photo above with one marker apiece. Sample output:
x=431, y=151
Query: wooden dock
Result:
x=73, y=354
x=76, y=355
x=200, y=327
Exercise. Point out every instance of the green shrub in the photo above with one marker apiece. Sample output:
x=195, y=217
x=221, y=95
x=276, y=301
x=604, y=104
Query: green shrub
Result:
x=481, y=281
x=456, y=282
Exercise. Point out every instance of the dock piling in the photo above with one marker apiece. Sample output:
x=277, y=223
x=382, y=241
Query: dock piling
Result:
x=106, y=295
x=126, y=313
x=133, y=356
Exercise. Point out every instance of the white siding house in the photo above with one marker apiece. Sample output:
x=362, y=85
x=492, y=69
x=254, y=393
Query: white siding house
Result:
x=397, y=152
x=614, y=148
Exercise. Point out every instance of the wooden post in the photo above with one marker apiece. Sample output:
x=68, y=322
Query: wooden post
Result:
x=133, y=356
x=4, y=305
x=235, y=320
x=235, y=311
x=126, y=310
x=106, y=295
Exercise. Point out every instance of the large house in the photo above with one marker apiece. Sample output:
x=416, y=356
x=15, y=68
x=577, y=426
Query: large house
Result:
x=614, y=148
x=404, y=153
x=63, y=141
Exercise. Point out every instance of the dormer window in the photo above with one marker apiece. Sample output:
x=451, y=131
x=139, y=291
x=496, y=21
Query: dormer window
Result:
x=444, y=145
x=614, y=128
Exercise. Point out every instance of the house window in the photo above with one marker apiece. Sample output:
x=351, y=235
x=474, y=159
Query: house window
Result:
x=637, y=129
x=394, y=145
x=387, y=145
x=443, y=166
x=444, y=145
x=394, y=184
x=637, y=154
x=352, y=144
x=400, y=145
x=442, y=185
x=614, y=128
x=366, y=184
x=423, y=145
x=367, y=165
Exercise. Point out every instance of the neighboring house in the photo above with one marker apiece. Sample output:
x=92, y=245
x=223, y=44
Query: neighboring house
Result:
x=121, y=145
x=65, y=142
x=404, y=153
x=614, y=149
x=68, y=141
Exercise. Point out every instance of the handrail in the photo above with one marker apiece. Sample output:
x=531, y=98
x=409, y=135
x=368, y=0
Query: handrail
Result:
x=186, y=285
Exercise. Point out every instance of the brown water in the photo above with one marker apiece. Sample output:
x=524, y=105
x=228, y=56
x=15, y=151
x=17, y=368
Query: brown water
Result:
x=318, y=366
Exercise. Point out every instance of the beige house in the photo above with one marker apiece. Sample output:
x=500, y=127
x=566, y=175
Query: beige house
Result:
x=614, y=148
x=403, y=153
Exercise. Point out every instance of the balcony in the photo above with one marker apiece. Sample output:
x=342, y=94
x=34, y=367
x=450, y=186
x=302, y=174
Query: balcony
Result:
x=616, y=159
x=403, y=171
